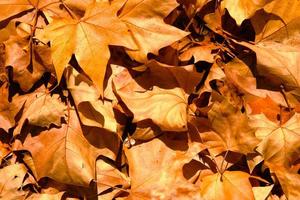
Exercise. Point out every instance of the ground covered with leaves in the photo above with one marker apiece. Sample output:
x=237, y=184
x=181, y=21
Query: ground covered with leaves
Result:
x=149, y=99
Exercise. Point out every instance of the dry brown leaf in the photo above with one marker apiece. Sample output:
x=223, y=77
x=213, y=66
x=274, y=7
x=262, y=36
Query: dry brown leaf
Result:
x=12, y=7
x=270, y=109
x=215, y=73
x=239, y=75
x=50, y=110
x=261, y=193
x=91, y=110
x=20, y=55
x=279, y=143
x=150, y=170
x=232, y=127
x=66, y=154
x=108, y=177
x=289, y=181
x=278, y=64
x=11, y=181
x=229, y=185
x=88, y=39
x=4, y=150
x=8, y=110
x=212, y=141
x=243, y=9
x=280, y=15
x=57, y=196
x=151, y=33
x=165, y=88
x=200, y=53
x=173, y=99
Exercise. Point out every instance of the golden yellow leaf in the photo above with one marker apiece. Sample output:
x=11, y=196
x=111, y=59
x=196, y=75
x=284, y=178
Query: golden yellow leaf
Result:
x=91, y=110
x=243, y=9
x=41, y=109
x=88, y=39
x=68, y=154
x=164, y=88
x=280, y=14
x=279, y=142
x=151, y=33
x=289, y=181
x=150, y=170
x=232, y=185
x=233, y=128
x=11, y=181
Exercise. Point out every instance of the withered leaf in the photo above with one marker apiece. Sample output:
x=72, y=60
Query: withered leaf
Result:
x=165, y=88
x=88, y=39
x=12, y=178
x=63, y=154
x=41, y=109
x=233, y=128
x=229, y=185
x=279, y=143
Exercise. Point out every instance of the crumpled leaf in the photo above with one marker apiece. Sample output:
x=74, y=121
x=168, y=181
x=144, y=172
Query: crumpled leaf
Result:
x=164, y=88
x=50, y=110
x=20, y=56
x=91, y=110
x=8, y=110
x=215, y=73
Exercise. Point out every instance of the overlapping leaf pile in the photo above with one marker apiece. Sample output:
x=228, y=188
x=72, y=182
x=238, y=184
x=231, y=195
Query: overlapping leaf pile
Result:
x=149, y=99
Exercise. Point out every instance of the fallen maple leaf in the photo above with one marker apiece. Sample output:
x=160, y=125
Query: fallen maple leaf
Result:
x=151, y=33
x=228, y=185
x=168, y=106
x=289, y=181
x=278, y=64
x=149, y=99
x=243, y=9
x=64, y=154
x=51, y=110
x=279, y=143
x=149, y=170
x=12, y=177
x=20, y=56
x=91, y=110
x=232, y=127
x=88, y=39
x=108, y=177
x=8, y=110
x=280, y=15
